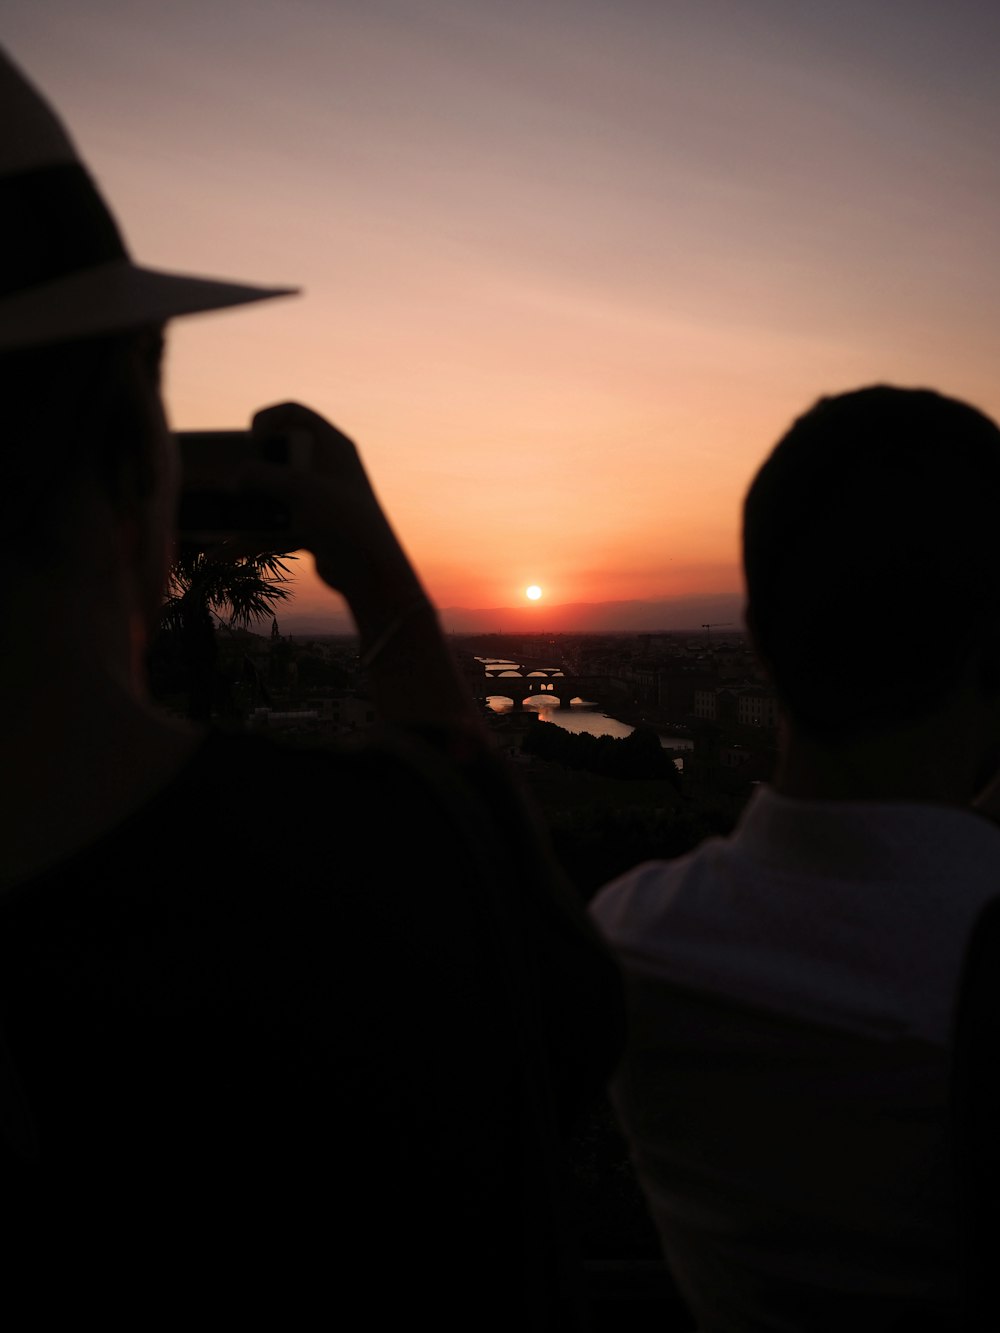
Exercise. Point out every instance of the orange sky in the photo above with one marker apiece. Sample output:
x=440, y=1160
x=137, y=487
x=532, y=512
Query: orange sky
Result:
x=569, y=266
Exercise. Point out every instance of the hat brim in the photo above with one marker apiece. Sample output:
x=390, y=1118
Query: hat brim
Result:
x=111, y=298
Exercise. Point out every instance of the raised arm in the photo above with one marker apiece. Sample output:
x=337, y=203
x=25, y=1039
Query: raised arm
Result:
x=579, y=1012
x=336, y=515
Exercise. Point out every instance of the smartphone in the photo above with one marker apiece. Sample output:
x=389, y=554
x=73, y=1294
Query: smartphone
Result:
x=209, y=511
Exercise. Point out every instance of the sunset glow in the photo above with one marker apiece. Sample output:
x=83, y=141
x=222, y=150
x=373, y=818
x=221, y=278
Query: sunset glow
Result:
x=568, y=269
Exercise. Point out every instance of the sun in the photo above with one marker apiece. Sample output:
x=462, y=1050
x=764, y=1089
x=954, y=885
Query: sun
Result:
x=533, y=593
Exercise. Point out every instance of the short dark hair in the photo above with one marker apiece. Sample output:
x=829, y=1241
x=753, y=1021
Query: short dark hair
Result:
x=872, y=559
x=74, y=413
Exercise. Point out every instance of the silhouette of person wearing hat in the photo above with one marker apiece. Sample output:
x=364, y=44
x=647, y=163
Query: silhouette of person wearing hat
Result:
x=281, y=1027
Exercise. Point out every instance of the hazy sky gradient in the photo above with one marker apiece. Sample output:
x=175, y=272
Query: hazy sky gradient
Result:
x=570, y=266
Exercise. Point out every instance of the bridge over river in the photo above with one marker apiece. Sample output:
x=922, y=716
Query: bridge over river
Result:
x=554, y=685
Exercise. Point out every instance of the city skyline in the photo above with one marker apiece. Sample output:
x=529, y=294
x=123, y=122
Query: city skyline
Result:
x=723, y=610
x=570, y=268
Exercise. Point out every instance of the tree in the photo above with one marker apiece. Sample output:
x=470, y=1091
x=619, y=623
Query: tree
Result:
x=208, y=586
x=636, y=756
x=242, y=590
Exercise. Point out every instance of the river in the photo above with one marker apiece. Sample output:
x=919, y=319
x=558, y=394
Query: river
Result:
x=581, y=716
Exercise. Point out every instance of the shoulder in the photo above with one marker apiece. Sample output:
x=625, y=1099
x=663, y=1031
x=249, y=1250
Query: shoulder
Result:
x=241, y=758
x=637, y=905
x=390, y=779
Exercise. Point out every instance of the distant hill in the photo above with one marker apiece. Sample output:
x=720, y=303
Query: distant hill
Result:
x=667, y=613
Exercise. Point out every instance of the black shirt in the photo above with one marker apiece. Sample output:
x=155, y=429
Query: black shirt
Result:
x=305, y=1029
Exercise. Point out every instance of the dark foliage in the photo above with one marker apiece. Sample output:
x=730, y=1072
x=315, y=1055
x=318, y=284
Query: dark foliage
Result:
x=204, y=585
x=636, y=756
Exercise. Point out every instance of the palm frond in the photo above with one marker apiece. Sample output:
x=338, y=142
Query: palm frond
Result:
x=239, y=590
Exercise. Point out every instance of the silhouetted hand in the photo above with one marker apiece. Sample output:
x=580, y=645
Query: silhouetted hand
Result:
x=335, y=514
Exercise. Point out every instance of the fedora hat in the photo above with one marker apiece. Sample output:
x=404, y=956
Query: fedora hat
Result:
x=64, y=270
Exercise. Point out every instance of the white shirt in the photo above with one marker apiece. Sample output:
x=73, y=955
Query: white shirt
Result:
x=785, y=1087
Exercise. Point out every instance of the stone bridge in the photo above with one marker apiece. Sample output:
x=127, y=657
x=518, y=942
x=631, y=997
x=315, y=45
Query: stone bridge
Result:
x=555, y=686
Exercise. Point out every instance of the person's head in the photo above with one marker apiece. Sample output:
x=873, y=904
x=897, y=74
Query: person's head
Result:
x=83, y=445
x=872, y=562
x=87, y=470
